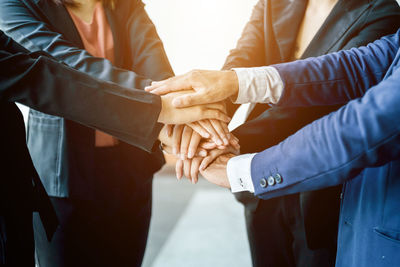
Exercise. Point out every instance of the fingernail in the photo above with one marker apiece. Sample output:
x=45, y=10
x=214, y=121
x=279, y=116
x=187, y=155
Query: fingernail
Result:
x=174, y=151
x=202, y=153
x=193, y=181
x=226, y=142
x=201, y=167
x=206, y=135
x=183, y=156
x=219, y=142
x=190, y=154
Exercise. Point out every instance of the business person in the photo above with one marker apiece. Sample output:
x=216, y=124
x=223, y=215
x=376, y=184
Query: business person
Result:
x=40, y=82
x=303, y=230
x=358, y=144
x=100, y=186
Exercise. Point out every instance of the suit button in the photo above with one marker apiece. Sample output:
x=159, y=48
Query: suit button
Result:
x=271, y=181
x=278, y=178
x=263, y=183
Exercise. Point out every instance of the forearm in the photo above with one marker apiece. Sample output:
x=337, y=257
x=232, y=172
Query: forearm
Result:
x=332, y=149
x=33, y=33
x=48, y=86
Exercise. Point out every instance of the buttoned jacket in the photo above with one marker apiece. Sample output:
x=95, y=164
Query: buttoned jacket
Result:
x=358, y=145
x=270, y=38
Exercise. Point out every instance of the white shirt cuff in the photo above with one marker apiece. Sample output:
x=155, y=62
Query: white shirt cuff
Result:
x=239, y=173
x=258, y=85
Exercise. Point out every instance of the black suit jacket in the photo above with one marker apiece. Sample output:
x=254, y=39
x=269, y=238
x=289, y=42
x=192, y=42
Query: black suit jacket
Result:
x=269, y=38
x=40, y=82
x=67, y=170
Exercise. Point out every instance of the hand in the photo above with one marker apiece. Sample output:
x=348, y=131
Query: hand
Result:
x=165, y=135
x=186, y=142
x=191, y=167
x=208, y=86
x=217, y=130
x=216, y=173
x=172, y=115
x=208, y=144
x=171, y=137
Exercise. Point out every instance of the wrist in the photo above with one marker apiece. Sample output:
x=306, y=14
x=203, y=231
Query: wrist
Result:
x=161, y=115
x=232, y=81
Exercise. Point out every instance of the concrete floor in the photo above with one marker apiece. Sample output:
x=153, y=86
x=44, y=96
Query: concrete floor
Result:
x=195, y=225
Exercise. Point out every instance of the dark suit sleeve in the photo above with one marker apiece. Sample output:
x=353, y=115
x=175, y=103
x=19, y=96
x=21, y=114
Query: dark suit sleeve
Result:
x=250, y=49
x=350, y=73
x=35, y=34
x=365, y=133
x=48, y=86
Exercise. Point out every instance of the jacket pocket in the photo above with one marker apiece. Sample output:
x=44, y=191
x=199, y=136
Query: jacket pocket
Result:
x=44, y=139
x=390, y=235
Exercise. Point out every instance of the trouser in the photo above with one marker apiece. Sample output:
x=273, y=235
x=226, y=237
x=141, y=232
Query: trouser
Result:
x=16, y=239
x=277, y=238
x=110, y=230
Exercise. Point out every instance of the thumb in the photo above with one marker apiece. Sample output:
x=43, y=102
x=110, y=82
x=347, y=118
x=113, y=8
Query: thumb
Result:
x=188, y=100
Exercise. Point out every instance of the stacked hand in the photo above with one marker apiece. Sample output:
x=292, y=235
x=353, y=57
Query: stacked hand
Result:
x=196, y=129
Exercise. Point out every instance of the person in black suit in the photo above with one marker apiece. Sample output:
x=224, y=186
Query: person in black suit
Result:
x=39, y=81
x=299, y=229
x=102, y=192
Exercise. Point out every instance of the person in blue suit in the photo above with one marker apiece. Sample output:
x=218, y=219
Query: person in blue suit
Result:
x=358, y=145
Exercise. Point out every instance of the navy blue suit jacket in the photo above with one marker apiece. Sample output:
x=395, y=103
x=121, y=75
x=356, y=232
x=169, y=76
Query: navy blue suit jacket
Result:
x=359, y=144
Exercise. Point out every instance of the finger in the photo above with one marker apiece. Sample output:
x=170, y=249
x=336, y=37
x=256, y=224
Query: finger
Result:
x=199, y=129
x=176, y=139
x=155, y=84
x=206, y=124
x=205, y=162
x=212, y=156
x=226, y=129
x=179, y=169
x=208, y=145
x=177, y=83
x=215, y=114
x=195, y=169
x=186, y=137
x=220, y=130
x=234, y=143
x=186, y=168
x=194, y=143
x=169, y=128
x=201, y=153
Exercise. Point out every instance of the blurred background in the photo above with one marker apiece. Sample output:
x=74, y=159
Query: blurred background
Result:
x=196, y=225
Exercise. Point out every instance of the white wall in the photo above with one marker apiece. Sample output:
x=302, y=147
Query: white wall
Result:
x=199, y=33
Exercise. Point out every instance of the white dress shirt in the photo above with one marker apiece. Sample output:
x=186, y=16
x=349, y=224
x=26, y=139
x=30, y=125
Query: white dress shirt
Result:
x=256, y=85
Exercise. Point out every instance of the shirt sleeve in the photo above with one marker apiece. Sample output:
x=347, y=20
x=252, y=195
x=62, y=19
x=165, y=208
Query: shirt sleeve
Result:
x=239, y=173
x=258, y=85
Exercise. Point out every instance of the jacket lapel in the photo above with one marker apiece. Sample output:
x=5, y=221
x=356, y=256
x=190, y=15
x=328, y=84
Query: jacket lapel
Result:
x=336, y=25
x=286, y=19
x=59, y=18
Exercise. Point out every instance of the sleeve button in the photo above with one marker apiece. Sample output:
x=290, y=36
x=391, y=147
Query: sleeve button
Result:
x=263, y=183
x=271, y=181
x=278, y=178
